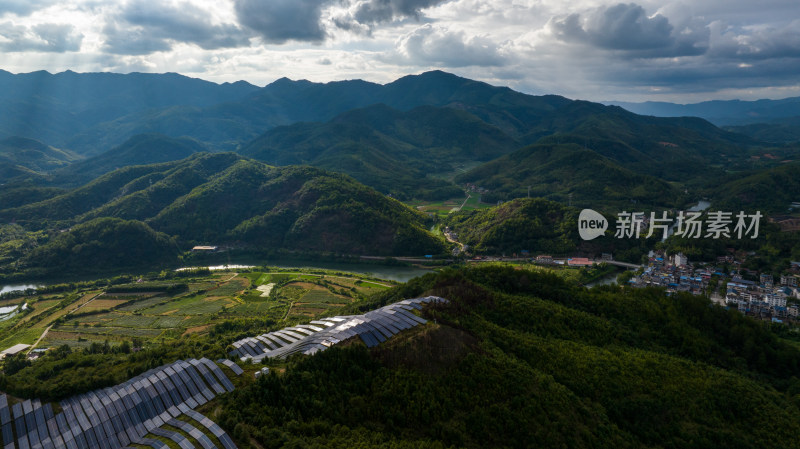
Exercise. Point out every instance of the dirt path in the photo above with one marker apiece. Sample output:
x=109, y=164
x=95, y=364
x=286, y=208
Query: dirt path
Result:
x=44, y=334
x=84, y=304
x=465, y=202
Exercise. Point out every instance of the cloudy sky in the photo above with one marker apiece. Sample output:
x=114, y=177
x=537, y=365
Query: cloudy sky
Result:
x=670, y=50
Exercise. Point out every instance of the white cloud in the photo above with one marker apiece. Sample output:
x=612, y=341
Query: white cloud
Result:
x=438, y=46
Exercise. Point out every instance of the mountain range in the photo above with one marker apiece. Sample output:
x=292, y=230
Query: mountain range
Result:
x=721, y=112
x=311, y=162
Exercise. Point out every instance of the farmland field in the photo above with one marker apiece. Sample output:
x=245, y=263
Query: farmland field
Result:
x=142, y=312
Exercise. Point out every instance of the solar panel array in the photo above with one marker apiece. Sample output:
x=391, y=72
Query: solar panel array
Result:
x=118, y=416
x=373, y=328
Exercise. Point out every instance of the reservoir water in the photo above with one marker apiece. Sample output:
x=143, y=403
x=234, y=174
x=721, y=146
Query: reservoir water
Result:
x=14, y=288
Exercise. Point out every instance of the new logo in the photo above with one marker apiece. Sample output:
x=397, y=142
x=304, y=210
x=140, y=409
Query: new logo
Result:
x=591, y=224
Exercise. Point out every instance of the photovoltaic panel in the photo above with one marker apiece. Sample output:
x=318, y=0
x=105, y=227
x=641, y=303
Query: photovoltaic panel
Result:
x=155, y=398
x=114, y=417
x=197, y=380
x=73, y=426
x=210, y=379
x=5, y=412
x=267, y=342
x=146, y=410
x=41, y=425
x=174, y=395
x=190, y=385
x=375, y=332
x=174, y=436
x=178, y=382
x=163, y=394
x=134, y=413
x=233, y=366
x=155, y=444
x=124, y=414
x=368, y=339
x=223, y=379
x=110, y=434
x=193, y=432
x=278, y=343
x=285, y=336
x=259, y=346
x=215, y=429
x=96, y=432
x=8, y=436
x=295, y=335
x=19, y=426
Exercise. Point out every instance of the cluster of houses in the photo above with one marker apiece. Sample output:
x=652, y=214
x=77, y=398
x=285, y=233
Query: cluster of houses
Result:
x=674, y=273
x=767, y=298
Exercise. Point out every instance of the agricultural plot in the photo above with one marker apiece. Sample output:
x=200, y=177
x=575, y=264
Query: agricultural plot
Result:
x=82, y=317
x=189, y=305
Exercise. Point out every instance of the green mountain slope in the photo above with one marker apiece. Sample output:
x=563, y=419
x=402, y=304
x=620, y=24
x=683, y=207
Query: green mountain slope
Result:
x=20, y=156
x=142, y=149
x=225, y=198
x=57, y=107
x=554, y=171
x=770, y=191
x=521, y=359
x=387, y=149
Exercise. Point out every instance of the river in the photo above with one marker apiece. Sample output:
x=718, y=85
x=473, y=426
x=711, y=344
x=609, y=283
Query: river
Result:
x=15, y=288
x=609, y=279
x=699, y=207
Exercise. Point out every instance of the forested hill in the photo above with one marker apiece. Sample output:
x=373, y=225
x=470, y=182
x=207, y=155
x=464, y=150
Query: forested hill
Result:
x=22, y=157
x=142, y=149
x=391, y=150
x=555, y=171
x=522, y=359
x=227, y=199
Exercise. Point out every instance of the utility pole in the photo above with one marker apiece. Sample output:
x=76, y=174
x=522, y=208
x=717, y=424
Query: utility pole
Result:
x=570, y=200
x=529, y=191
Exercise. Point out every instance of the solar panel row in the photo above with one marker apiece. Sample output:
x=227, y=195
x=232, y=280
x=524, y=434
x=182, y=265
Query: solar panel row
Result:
x=118, y=416
x=373, y=328
x=234, y=367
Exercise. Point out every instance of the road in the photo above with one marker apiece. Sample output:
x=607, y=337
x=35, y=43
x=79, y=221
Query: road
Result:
x=621, y=264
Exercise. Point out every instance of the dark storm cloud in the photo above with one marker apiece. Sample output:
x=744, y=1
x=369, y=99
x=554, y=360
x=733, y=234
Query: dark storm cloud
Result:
x=279, y=21
x=143, y=27
x=435, y=45
x=628, y=29
x=45, y=37
x=373, y=11
x=23, y=7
